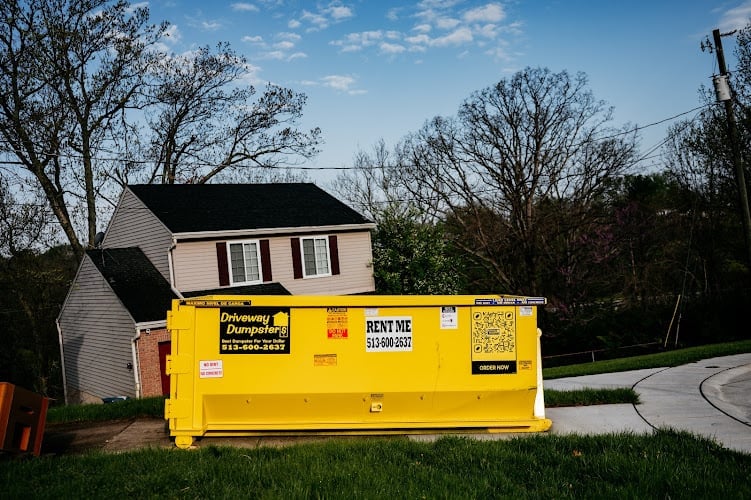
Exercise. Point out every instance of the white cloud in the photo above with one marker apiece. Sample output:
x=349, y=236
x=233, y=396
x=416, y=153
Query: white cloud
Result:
x=447, y=23
x=252, y=39
x=418, y=40
x=499, y=54
x=488, y=31
x=211, y=25
x=244, y=7
x=357, y=41
x=338, y=82
x=278, y=55
x=490, y=13
x=334, y=12
x=393, y=13
x=342, y=83
x=284, y=45
x=457, y=37
x=392, y=48
x=736, y=18
x=172, y=34
x=317, y=20
x=251, y=74
x=293, y=24
x=285, y=35
x=437, y=4
x=438, y=24
x=339, y=12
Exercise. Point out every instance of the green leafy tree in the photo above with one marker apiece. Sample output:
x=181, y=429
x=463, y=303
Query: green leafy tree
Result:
x=412, y=257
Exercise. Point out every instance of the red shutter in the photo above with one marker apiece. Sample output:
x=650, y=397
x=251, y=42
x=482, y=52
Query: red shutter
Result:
x=296, y=258
x=221, y=260
x=334, y=254
x=265, y=261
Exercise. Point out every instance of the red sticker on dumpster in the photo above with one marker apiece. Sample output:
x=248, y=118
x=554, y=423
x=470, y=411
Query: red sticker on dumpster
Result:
x=337, y=323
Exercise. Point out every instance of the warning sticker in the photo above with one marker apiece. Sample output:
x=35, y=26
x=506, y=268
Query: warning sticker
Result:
x=254, y=330
x=324, y=360
x=493, y=340
x=210, y=369
x=337, y=323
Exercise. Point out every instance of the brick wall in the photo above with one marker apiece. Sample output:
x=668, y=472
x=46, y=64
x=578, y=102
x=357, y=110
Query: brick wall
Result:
x=148, y=361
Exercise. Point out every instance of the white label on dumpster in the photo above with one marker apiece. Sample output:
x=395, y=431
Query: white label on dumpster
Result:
x=211, y=369
x=388, y=333
x=449, y=318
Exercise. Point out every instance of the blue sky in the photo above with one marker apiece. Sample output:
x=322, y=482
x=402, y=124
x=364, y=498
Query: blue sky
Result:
x=380, y=69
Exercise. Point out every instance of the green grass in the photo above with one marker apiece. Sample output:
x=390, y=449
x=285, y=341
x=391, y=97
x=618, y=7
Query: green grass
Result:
x=657, y=360
x=130, y=408
x=666, y=464
x=588, y=397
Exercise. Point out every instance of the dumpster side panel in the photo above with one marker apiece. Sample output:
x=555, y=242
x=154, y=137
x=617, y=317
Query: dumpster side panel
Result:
x=367, y=363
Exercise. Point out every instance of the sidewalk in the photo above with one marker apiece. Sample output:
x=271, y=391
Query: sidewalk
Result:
x=710, y=398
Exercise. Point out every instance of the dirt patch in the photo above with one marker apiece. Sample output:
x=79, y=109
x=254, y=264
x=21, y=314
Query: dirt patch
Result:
x=111, y=435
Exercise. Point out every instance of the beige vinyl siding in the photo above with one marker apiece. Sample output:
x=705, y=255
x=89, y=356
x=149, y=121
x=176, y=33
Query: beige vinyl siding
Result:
x=96, y=335
x=196, y=268
x=134, y=225
x=355, y=267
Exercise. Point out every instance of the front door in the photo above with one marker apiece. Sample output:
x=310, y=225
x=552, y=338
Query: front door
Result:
x=164, y=349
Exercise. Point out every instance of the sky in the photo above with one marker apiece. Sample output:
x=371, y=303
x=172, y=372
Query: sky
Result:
x=380, y=69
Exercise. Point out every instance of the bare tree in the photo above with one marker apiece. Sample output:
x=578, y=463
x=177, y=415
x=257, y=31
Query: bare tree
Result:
x=68, y=70
x=537, y=136
x=80, y=80
x=374, y=186
x=205, y=122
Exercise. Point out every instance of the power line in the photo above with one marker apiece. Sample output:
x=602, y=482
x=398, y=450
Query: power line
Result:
x=311, y=168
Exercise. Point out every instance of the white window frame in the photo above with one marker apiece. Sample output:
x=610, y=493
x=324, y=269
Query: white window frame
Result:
x=318, y=273
x=231, y=270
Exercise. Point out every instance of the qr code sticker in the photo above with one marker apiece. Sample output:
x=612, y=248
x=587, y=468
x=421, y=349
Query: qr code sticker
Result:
x=493, y=332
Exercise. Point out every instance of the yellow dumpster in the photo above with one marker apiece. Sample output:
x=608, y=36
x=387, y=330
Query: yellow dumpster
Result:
x=353, y=364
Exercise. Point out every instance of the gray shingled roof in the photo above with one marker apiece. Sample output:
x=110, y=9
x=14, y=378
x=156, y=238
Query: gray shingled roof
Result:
x=140, y=287
x=222, y=207
x=260, y=289
x=145, y=293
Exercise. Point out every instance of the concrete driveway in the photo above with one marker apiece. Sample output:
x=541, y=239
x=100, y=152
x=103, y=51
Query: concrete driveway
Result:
x=710, y=398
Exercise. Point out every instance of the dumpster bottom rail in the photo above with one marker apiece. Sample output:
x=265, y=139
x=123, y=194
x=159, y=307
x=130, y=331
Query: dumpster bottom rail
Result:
x=183, y=440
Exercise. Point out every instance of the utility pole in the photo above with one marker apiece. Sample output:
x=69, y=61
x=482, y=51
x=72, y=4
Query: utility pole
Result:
x=724, y=94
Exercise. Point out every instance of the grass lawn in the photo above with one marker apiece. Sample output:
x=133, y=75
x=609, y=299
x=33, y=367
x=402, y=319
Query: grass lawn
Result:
x=664, y=465
x=657, y=360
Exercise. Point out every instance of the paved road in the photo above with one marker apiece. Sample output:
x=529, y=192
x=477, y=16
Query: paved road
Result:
x=710, y=398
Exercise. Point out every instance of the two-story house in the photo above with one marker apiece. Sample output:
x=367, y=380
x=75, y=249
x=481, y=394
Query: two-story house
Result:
x=173, y=241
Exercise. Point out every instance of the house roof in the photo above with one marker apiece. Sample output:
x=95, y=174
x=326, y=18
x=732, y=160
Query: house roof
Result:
x=260, y=289
x=140, y=287
x=186, y=208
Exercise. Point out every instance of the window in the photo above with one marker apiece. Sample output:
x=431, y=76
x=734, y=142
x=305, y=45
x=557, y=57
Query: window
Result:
x=244, y=260
x=315, y=256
